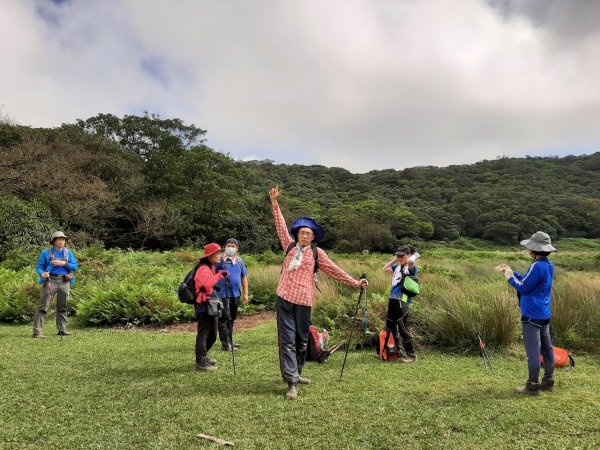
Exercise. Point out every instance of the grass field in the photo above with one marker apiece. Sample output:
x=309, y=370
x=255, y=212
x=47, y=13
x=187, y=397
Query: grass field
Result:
x=104, y=388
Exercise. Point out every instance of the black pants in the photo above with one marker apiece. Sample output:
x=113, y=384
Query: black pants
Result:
x=398, y=324
x=207, y=333
x=228, y=316
x=293, y=322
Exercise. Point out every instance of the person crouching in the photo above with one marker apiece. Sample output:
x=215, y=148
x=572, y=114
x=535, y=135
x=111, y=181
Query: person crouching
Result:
x=206, y=307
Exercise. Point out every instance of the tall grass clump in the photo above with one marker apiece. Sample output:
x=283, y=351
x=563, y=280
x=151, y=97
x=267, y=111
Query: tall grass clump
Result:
x=576, y=311
x=453, y=311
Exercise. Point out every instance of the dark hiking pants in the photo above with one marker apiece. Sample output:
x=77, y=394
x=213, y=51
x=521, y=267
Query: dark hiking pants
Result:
x=536, y=337
x=399, y=325
x=229, y=314
x=207, y=333
x=293, y=322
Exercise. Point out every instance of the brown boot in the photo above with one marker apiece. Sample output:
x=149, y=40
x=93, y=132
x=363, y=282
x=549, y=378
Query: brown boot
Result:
x=292, y=393
x=547, y=385
x=302, y=380
x=529, y=389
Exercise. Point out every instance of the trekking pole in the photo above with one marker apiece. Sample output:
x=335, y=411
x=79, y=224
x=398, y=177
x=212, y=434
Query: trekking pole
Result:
x=362, y=291
x=487, y=360
x=230, y=323
x=366, y=315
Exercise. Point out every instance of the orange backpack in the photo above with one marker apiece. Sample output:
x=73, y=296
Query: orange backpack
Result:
x=385, y=341
x=562, y=358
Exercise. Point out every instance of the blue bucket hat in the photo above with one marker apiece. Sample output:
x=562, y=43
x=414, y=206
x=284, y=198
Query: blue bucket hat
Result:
x=307, y=222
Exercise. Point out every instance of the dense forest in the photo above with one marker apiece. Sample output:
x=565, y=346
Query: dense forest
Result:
x=148, y=182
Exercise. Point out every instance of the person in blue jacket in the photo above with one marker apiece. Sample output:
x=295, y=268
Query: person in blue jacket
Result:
x=534, y=290
x=55, y=268
x=230, y=291
x=399, y=304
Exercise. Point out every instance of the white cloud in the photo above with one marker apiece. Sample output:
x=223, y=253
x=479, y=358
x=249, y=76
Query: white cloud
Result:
x=352, y=83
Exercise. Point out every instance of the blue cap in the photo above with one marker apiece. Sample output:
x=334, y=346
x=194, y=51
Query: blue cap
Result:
x=307, y=222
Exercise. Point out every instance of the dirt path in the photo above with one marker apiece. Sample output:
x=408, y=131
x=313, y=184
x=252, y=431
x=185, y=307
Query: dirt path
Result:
x=241, y=323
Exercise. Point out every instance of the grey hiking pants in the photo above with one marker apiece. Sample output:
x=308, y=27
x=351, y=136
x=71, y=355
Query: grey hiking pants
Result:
x=293, y=322
x=537, y=343
x=53, y=286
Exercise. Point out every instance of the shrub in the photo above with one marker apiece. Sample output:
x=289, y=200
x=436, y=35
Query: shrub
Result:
x=19, y=296
x=23, y=225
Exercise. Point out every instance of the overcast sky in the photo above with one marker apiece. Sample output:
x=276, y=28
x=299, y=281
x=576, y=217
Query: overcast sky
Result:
x=356, y=84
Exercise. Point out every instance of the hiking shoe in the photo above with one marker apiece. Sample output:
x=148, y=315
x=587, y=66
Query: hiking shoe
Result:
x=64, y=333
x=292, y=393
x=236, y=346
x=227, y=348
x=206, y=368
x=408, y=359
x=529, y=389
x=212, y=362
x=302, y=380
x=39, y=336
x=547, y=385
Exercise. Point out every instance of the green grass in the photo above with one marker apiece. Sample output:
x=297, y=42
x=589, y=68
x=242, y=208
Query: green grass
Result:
x=104, y=388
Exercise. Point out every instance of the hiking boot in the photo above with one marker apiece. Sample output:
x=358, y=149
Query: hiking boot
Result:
x=227, y=348
x=408, y=359
x=292, y=393
x=64, y=333
x=206, y=367
x=547, y=385
x=39, y=336
x=302, y=380
x=212, y=362
x=529, y=389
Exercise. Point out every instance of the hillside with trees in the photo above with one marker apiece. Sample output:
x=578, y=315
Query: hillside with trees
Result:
x=150, y=183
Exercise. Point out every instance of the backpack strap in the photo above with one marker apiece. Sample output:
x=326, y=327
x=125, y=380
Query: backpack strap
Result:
x=315, y=255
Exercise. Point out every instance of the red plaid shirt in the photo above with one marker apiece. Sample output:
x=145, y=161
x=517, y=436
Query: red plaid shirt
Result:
x=298, y=286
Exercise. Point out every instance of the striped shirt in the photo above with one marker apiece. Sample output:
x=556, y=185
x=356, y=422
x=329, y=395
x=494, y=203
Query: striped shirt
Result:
x=298, y=286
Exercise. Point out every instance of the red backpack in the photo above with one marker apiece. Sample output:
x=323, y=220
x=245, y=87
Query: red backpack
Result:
x=317, y=345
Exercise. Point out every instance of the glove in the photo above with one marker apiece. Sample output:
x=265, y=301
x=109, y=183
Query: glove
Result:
x=224, y=273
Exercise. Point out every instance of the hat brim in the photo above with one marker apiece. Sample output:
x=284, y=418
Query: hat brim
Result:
x=66, y=238
x=307, y=222
x=537, y=246
x=209, y=254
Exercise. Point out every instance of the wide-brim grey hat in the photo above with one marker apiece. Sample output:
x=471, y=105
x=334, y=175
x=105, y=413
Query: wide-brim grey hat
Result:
x=539, y=242
x=57, y=234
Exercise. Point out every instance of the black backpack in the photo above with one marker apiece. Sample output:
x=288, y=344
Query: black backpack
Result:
x=187, y=289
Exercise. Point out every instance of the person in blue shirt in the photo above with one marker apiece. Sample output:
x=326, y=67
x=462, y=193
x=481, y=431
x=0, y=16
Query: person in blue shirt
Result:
x=534, y=290
x=55, y=268
x=230, y=291
x=399, y=304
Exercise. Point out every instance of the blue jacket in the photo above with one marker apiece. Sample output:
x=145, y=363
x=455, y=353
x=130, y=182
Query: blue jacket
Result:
x=397, y=293
x=45, y=264
x=233, y=287
x=535, y=288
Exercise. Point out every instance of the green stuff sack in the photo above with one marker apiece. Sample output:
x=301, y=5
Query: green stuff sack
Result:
x=410, y=286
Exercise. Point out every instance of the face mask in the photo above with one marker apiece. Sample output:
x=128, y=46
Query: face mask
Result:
x=230, y=251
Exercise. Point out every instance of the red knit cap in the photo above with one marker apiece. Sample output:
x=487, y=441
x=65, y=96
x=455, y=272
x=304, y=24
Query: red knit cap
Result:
x=211, y=249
